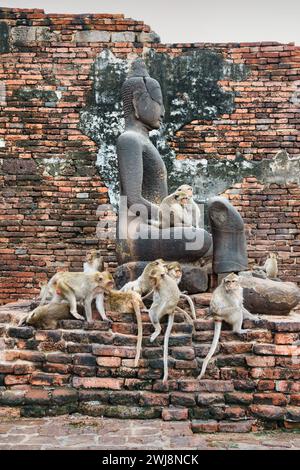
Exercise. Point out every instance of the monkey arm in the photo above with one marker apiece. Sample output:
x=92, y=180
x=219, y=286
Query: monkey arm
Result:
x=130, y=156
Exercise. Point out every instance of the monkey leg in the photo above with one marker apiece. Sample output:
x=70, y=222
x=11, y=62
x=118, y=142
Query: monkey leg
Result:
x=186, y=315
x=100, y=306
x=237, y=324
x=69, y=295
x=156, y=332
x=154, y=314
x=166, y=345
x=88, y=309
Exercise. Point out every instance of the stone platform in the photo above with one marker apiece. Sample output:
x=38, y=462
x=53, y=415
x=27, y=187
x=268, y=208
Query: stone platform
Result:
x=252, y=383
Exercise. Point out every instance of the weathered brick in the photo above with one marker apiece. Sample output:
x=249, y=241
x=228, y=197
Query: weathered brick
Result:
x=174, y=414
x=268, y=412
x=97, y=382
x=200, y=426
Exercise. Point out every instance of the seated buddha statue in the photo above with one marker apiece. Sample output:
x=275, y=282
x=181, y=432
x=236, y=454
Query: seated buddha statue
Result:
x=143, y=185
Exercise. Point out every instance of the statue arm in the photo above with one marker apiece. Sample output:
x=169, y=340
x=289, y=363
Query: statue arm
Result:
x=130, y=157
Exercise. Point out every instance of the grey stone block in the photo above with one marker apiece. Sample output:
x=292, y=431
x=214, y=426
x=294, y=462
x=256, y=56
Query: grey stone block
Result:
x=92, y=36
x=123, y=37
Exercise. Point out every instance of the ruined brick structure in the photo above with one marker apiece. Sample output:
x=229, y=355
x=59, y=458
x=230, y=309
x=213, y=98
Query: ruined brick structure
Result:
x=252, y=384
x=50, y=187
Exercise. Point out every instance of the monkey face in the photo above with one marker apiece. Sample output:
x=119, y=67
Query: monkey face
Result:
x=105, y=281
x=174, y=270
x=187, y=189
x=91, y=255
x=181, y=197
x=231, y=282
x=156, y=275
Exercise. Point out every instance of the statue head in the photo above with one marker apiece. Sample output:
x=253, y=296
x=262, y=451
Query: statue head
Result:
x=142, y=97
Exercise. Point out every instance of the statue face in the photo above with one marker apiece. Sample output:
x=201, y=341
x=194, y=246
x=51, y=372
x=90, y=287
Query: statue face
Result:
x=148, y=106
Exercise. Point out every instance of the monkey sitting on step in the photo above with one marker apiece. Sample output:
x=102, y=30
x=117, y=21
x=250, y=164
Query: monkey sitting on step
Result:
x=227, y=305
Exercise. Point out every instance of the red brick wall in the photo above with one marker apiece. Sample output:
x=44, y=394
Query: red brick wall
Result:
x=48, y=222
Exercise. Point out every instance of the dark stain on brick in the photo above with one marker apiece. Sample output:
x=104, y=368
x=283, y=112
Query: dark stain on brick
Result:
x=4, y=38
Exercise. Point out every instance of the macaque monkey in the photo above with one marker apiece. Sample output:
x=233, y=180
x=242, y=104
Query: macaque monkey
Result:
x=127, y=302
x=227, y=305
x=192, y=208
x=93, y=262
x=142, y=284
x=47, y=316
x=175, y=272
x=78, y=287
x=165, y=302
x=172, y=211
x=270, y=267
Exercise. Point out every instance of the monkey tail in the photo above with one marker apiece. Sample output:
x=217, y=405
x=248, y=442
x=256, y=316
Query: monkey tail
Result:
x=191, y=304
x=213, y=347
x=166, y=345
x=146, y=296
x=140, y=331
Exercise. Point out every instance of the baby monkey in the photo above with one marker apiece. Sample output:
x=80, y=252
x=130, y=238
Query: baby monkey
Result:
x=192, y=208
x=172, y=211
x=227, y=305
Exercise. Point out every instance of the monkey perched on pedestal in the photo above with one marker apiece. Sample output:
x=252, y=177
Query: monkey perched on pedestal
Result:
x=191, y=207
x=93, y=262
x=227, y=305
x=165, y=302
x=172, y=211
x=81, y=287
x=270, y=267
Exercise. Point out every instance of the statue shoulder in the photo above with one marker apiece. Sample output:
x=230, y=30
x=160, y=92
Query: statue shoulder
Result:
x=131, y=139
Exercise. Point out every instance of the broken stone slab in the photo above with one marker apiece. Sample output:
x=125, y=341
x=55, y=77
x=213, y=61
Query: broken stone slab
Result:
x=265, y=296
x=194, y=278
